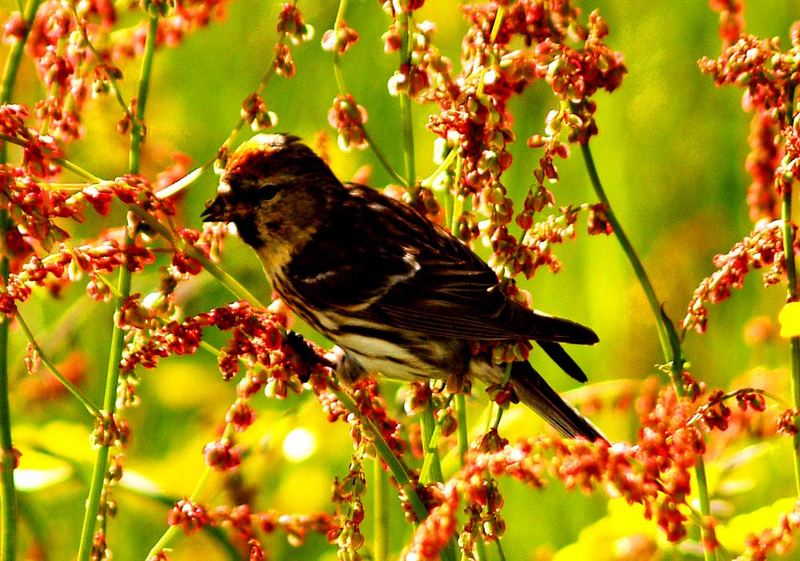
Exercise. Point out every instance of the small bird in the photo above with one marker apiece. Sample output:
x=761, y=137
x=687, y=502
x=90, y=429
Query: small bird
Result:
x=397, y=293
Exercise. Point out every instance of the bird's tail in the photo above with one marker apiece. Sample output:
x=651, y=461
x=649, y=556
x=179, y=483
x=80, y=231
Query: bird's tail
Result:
x=534, y=392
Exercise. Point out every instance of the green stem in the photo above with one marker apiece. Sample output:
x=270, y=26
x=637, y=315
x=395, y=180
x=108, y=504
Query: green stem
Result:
x=480, y=551
x=791, y=296
x=73, y=389
x=380, y=548
x=234, y=286
x=446, y=163
x=7, y=452
x=339, y=75
x=396, y=466
x=138, y=128
x=405, y=105
x=8, y=457
x=500, y=554
x=672, y=355
x=174, y=531
x=109, y=405
x=670, y=342
x=432, y=465
x=462, y=434
x=97, y=484
x=795, y=372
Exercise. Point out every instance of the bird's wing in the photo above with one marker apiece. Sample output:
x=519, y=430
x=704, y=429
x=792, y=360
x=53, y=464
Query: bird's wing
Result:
x=380, y=260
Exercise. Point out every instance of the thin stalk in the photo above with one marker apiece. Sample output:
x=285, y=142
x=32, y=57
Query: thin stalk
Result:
x=380, y=541
x=396, y=466
x=795, y=371
x=174, y=531
x=8, y=456
x=406, y=122
x=124, y=288
x=673, y=355
x=498, y=21
x=791, y=296
x=670, y=342
x=339, y=75
x=446, y=163
x=500, y=554
x=91, y=514
x=137, y=130
x=432, y=465
x=480, y=551
x=234, y=286
x=462, y=434
x=72, y=388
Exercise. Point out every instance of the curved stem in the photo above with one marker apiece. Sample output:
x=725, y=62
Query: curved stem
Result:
x=666, y=330
x=73, y=389
x=97, y=484
x=396, y=466
x=234, y=286
x=670, y=342
x=339, y=75
x=8, y=457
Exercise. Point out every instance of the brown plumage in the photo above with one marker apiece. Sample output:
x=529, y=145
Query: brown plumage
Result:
x=399, y=294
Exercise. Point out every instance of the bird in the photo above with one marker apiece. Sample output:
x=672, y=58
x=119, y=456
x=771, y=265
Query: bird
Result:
x=398, y=294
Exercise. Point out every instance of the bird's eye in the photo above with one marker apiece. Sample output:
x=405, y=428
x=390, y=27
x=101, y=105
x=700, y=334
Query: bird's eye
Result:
x=268, y=191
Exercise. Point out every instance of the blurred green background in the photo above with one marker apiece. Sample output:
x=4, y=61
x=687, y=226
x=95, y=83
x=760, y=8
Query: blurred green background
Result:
x=670, y=152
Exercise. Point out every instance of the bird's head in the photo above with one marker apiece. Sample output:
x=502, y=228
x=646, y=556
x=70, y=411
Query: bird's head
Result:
x=274, y=189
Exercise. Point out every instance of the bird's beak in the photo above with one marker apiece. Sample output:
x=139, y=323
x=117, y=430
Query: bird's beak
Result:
x=218, y=211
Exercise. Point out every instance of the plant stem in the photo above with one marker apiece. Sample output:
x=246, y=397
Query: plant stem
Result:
x=234, y=286
x=461, y=418
x=337, y=72
x=380, y=540
x=8, y=456
x=405, y=105
x=791, y=296
x=396, y=466
x=432, y=465
x=670, y=342
x=73, y=389
x=123, y=288
x=795, y=372
x=672, y=355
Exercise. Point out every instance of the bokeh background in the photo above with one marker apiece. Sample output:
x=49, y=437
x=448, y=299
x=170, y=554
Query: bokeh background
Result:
x=670, y=152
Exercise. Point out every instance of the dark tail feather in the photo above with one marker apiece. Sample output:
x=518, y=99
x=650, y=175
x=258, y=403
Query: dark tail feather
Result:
x=561, y=358
x=534, y=392
x=544, y=327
